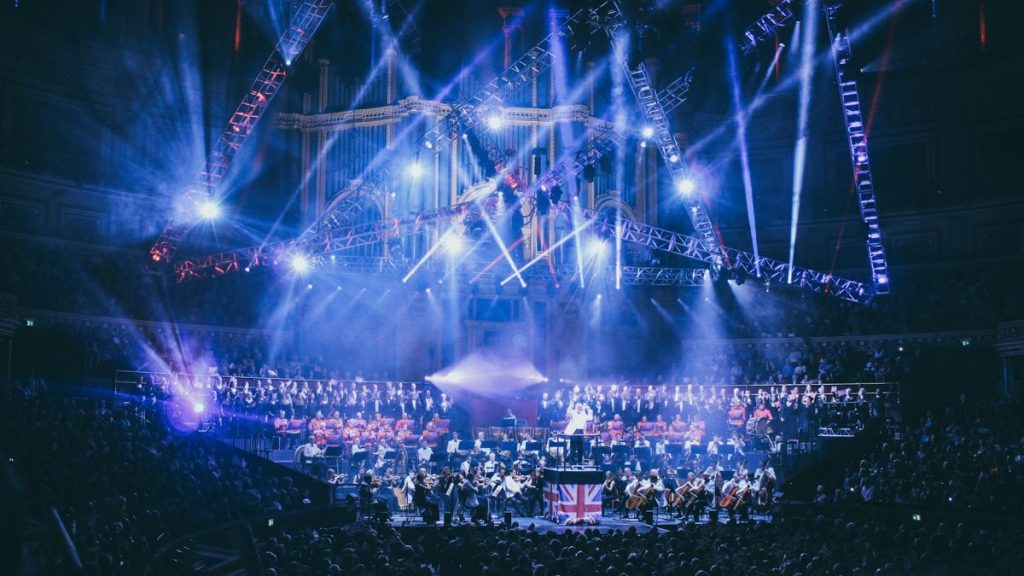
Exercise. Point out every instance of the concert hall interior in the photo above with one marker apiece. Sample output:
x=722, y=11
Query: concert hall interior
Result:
x=523, y=287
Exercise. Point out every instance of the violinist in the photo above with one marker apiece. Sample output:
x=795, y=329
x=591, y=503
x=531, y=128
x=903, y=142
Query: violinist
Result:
x=367, y=493
x=421, y=498
x=469, y=492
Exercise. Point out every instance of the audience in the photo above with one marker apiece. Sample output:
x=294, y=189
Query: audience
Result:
x=965, y=458
x=124, y=482
x=784, y=547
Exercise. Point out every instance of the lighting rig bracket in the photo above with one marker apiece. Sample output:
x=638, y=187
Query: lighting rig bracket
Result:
x=857, y=138
x=301, y=29
x=610, y=18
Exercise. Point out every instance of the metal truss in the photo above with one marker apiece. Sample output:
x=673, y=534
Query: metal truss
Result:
x=484, y=273
x=610, y=17
x=742, y=262
x=857, y=139
x=265, y=86
x=765, y=27
x=320, y=249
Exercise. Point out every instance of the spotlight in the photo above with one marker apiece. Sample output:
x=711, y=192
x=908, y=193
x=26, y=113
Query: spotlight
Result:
x=643, y=143
x=685, y=186
x=673, y=158
x=428, y=144
x=414, y=171
x=309, y=286
x=883, y=279
x=453, y=243
x=597, y=249
x=208, y=210
x=647, y=132
x=300, y=264
x=495, y=122
x=248, y=269
x=198, y=408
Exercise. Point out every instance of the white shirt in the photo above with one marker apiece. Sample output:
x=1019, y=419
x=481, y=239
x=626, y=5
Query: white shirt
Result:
x=453, y=446
x=424, y=453
x=578, y=421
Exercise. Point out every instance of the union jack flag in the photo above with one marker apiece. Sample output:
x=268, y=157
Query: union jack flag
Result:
x=576, y=502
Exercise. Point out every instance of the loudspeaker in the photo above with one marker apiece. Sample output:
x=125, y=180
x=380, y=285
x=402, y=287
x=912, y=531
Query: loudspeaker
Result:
x=447, y=518
x=508, y=519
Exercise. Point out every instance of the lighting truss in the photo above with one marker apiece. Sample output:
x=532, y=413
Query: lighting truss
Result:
x=399, y=267
x=243, y=121
x=319, y=249
x=611, y=19
x=857, y=139
x=694, y=249
x=765, y=27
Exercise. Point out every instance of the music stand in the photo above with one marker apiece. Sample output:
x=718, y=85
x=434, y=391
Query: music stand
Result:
x=643, y=453
x=491, y=445
x=621, y=450
x=698, y=450
x=598, y=452
x=390, y=454
x=466, y=445
x=334, y=453
x=438, y=457
x=356, y=459
x=508, y=446
x=726, y=450
x=727, y=475
x=533, y=446
x=675, y=450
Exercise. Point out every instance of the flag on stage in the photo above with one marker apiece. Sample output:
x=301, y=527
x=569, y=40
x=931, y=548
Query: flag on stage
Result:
x=573, y=502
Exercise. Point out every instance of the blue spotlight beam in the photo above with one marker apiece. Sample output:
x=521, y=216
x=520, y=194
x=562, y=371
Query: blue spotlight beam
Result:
x=504, y=249
x=765, y=27
x=857, y=139
x=575, y=233
x=254, y=104
x=611, y=18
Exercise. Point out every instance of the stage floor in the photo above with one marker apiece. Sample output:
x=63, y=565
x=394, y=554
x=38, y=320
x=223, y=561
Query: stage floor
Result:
x=607, y=523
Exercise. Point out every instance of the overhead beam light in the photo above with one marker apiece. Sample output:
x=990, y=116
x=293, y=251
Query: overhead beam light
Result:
x=414, y=170
x=495, y=122
x=647, y=132
x=300, y=264
x=453, y=243
x=686, y=186
x=208, y=210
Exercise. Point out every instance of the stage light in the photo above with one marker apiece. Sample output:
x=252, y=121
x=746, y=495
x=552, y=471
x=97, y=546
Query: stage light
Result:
x=300, y=264
x=453, y=243
x=495, y=122
x=429, y=144
x=643, y=143
x=414, y=171
x=883, y=279
x=685, y=186
x=208, y=210
x=198, y=408
x=309, y=286
x=597, y=249
x=673, y=158
x=647, y=132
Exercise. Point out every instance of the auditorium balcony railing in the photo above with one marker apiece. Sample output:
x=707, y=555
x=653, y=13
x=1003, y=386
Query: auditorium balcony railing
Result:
x=983, y=337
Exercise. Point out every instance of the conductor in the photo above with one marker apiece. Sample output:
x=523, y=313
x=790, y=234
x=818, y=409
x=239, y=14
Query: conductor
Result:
x=579, y=417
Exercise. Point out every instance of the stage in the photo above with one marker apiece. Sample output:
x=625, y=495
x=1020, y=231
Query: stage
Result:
x=605, y=524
